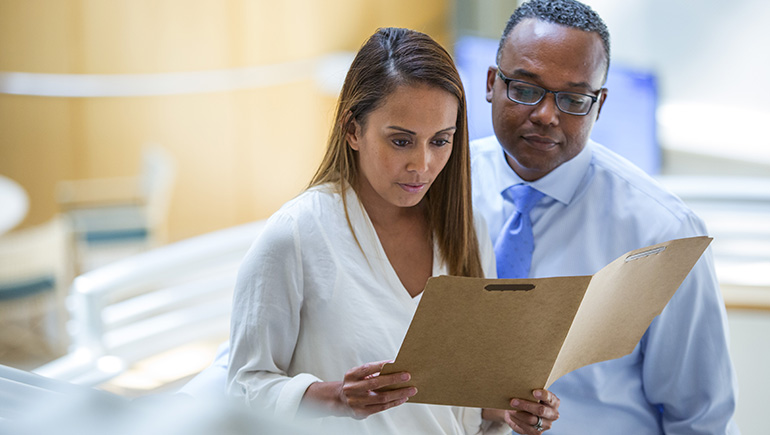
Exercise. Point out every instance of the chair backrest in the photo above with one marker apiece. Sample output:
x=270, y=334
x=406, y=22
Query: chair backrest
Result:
x=151, y=302
x=34, y=275
x=157, y=180
x=114, y=217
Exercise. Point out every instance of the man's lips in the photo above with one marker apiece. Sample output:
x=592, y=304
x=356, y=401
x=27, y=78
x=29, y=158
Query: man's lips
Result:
x=540, y=142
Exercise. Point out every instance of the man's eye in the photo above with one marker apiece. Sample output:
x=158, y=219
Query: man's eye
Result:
x=575, y=100
x=525, y=92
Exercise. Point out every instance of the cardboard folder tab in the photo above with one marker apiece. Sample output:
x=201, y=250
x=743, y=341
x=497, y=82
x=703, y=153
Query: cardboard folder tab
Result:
x=481, y=342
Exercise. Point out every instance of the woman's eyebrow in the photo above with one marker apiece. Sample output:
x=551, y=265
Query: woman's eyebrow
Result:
x=404, y=130
x=401, y=129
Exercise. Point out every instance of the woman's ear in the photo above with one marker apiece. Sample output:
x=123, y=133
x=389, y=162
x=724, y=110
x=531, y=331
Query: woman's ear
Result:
x=353, y=131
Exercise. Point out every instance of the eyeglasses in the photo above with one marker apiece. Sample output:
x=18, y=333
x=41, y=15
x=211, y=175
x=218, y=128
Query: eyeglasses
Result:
x=528, y=94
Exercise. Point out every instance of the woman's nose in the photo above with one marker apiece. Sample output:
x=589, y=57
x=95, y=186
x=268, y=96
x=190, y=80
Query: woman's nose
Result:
x=419, y=160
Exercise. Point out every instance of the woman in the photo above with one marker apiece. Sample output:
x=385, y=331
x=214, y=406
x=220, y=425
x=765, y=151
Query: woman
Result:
x=333, y=282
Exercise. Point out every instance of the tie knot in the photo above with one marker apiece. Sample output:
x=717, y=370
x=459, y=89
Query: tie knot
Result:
x=523, y=196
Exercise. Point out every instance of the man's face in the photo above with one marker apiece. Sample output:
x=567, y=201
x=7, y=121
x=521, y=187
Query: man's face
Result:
x=539, y=138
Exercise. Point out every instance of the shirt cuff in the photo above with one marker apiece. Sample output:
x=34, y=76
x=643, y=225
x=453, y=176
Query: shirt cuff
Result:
x=291, y=394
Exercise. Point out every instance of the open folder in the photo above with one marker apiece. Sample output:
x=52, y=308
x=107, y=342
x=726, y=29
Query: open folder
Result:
x=481, y=342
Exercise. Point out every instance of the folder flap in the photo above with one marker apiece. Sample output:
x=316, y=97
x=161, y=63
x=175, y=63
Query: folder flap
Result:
x=622, y=300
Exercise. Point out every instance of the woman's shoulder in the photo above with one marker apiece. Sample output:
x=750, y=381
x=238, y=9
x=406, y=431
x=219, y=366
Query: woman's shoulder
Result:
x=316, y=210
x=300, y=219
x=312, y=202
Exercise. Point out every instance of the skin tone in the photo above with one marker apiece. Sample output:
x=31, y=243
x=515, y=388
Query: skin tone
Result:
x=537, y=139
x=401, y=147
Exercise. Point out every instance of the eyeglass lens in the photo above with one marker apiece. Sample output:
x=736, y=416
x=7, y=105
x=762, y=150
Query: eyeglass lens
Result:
x=568, y=102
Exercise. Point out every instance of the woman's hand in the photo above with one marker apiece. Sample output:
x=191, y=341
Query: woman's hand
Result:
x=530, y=418
x=359, y=395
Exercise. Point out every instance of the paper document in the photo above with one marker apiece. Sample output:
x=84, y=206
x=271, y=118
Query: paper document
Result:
x=481, y=342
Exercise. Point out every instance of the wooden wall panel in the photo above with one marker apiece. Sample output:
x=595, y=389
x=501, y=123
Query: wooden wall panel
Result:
x=240, y=153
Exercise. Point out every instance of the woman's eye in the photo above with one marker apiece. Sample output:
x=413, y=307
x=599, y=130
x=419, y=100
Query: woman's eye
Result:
x=441, y=142
x=400, y=142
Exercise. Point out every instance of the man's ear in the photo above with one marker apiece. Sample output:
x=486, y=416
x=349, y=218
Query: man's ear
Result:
x=491, y=75
x=353, y=131
x=602, y=97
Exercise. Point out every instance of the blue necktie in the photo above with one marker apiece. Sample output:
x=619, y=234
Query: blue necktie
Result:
x=515, y=243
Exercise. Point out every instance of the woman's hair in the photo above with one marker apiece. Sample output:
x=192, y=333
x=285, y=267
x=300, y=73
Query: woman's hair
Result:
x=394, y=57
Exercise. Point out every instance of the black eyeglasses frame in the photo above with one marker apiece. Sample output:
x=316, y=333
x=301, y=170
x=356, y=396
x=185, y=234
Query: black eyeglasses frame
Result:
x=508, y=80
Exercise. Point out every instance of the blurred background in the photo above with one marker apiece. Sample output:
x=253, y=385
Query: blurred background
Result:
x=142, y=143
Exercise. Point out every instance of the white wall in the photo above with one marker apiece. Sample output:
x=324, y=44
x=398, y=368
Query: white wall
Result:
x=712, y=62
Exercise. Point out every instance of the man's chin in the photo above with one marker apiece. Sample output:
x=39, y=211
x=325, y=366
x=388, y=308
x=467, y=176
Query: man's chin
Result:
x=531, y=167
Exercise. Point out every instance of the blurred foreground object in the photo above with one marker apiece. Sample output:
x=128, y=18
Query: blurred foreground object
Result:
x=142, y=306
x=112, y=218
x=34, y=276
x=34, y=405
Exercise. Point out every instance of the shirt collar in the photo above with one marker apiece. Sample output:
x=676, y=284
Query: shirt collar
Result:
x=560, y=184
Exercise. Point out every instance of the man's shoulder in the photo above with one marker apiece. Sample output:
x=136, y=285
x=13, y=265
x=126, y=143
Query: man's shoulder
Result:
x=629, y=182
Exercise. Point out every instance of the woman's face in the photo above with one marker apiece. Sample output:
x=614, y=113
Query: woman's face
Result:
x=404, y=144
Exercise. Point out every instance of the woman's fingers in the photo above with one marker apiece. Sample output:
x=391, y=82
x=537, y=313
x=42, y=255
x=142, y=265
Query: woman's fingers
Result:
x=547, y=397
x=546, y=408
x=525, y=423
x=534, y=417
x=366, y=370
x=378, y=402
x=353, y=384
x=361, y=390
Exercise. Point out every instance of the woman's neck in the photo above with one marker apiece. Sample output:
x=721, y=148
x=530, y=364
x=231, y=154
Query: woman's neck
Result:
x=385, y=215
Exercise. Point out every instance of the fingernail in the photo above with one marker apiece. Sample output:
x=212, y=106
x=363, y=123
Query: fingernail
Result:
x=514, y=402
x=405, y=376
x=537, y=393
x=413, y=391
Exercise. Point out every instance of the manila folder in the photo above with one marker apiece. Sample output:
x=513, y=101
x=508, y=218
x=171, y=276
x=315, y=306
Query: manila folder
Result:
x=481, y=342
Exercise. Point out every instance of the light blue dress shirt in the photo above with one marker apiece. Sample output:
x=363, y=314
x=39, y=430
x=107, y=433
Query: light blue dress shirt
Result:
x=679, y=379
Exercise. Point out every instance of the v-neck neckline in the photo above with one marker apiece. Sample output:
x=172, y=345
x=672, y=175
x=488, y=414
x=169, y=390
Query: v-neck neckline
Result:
x=371, y=244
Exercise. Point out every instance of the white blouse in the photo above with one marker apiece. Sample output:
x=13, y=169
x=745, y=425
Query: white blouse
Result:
x=309, y=306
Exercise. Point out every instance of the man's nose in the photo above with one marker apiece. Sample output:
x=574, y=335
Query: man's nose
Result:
x=546, y=112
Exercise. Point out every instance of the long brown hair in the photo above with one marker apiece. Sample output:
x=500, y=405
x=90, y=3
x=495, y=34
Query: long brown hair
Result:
x=390, y=58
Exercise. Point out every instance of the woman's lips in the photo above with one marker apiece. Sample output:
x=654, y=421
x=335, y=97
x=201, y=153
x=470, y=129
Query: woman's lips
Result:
x=413, y=187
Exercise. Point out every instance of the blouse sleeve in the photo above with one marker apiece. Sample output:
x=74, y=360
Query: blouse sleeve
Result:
x=266, y=320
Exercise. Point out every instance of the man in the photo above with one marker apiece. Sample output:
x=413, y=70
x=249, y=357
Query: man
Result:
x=546, y=93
